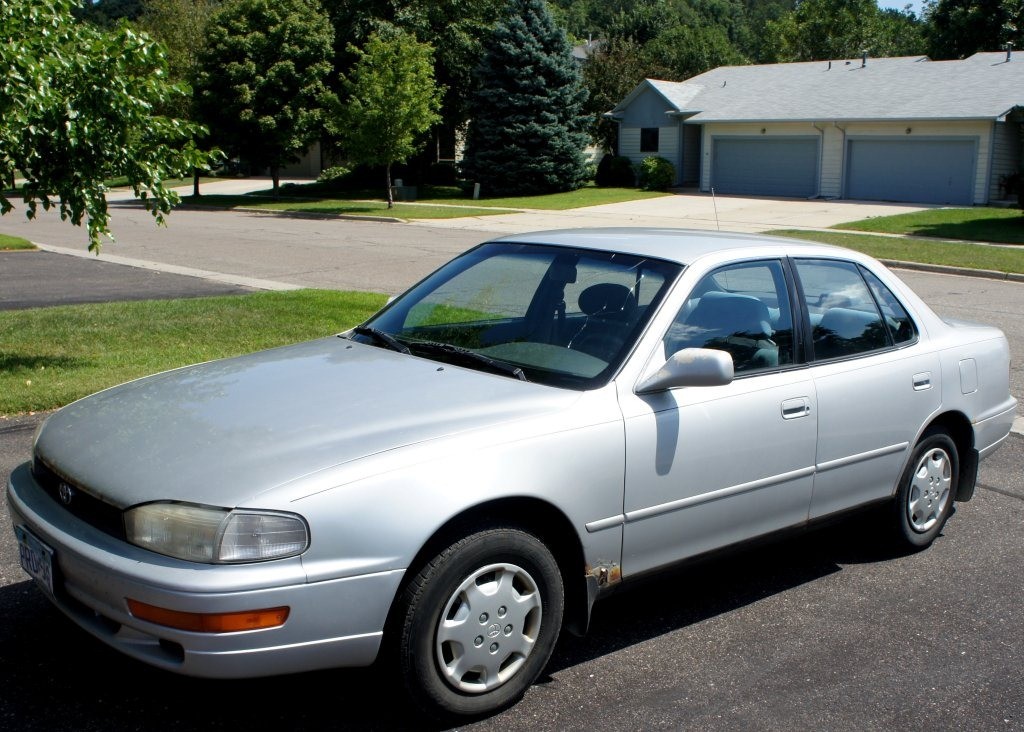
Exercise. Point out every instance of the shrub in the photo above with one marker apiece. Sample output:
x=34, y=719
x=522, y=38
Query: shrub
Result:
x=656, y=174
x=615, y=171
x=333, y=174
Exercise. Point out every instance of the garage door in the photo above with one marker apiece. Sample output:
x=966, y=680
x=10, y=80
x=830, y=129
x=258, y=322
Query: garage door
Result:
x=915, y=171
x=765, y=166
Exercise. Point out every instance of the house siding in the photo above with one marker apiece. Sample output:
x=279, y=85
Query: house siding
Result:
x=668, y=146
x=1005, y=156
x=833, y=145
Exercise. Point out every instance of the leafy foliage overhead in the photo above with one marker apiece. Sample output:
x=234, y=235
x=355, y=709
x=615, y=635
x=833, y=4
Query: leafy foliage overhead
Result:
x=77, y=108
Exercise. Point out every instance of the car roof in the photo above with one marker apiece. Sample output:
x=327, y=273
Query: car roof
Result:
x=683, y=246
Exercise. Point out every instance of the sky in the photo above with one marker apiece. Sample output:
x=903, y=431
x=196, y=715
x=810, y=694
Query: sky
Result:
x=899, y=5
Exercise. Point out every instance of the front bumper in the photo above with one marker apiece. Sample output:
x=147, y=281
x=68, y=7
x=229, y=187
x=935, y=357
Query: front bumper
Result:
x=337, y=622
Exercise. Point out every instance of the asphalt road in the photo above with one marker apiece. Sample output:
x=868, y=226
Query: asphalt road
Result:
x=821, y=631
x=38, y=279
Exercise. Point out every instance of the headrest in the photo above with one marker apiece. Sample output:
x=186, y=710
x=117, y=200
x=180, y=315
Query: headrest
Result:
x=607, y=298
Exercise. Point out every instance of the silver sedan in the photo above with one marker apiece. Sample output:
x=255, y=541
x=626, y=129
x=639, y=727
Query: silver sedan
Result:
x=451, y=483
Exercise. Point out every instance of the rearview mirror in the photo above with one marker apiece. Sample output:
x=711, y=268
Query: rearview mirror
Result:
x=690, y=367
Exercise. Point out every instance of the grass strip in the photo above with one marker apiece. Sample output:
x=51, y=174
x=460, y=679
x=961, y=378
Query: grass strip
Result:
x=998, y=225
x=580, y=198
x=52, y=356
x=340, y=206
x=948, y=253
x=321, y=198
x=8, y=243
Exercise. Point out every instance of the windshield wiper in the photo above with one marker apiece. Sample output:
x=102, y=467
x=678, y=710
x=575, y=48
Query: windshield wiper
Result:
x=447, y=349
x=385, y=339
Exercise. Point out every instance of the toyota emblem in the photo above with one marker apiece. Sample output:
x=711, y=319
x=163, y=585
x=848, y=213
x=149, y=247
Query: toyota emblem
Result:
x=66, y=493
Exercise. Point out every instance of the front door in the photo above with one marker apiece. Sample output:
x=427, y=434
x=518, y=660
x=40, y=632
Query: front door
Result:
x=711, y=466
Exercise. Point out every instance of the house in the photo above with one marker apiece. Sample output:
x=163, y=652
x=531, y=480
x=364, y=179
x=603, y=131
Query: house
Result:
x=890, y=129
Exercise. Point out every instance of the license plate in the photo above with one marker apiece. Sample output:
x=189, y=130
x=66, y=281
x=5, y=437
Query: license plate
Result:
x=36, y=557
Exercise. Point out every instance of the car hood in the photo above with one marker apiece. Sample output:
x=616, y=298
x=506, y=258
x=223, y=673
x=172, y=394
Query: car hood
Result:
x=219, y=433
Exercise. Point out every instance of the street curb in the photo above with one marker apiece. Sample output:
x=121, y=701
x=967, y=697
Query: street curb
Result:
x=988, y=274
x=251, y=282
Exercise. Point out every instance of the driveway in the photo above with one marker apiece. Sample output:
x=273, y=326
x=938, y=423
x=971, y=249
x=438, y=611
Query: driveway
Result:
x=690, y=211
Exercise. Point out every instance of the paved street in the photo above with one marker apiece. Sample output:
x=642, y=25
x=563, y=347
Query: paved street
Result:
x=822, y=631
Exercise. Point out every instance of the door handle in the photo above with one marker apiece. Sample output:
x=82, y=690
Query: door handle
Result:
x=796, y=408
x=923, y=381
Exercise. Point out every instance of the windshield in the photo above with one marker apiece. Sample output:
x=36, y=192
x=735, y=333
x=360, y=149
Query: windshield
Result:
x=554, y=315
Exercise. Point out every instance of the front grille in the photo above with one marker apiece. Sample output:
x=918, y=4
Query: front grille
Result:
x=82, y=505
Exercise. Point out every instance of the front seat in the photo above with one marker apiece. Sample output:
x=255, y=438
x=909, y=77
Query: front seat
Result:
x=610, y=311
x=737, y=324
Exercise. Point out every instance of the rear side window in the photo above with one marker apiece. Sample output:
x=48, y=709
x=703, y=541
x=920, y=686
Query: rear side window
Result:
x=845, y=321
x=901, y=327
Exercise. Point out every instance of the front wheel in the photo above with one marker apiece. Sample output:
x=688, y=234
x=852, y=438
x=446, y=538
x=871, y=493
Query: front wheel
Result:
x=479, y=622
x=924, y=499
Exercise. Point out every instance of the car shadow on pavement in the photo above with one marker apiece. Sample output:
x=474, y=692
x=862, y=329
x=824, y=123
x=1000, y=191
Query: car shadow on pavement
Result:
x=722, y=583
x=56, y=677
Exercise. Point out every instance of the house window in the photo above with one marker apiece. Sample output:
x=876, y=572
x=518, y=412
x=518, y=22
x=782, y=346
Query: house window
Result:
x=648, y=139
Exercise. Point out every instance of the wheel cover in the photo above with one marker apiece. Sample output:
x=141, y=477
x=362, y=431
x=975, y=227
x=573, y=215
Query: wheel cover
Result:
x=488, y=628
x=929, y=490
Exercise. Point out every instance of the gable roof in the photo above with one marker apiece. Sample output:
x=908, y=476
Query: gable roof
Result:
x=984, y=86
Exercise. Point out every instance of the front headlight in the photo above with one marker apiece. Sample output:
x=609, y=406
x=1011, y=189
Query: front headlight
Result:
x=215, y=535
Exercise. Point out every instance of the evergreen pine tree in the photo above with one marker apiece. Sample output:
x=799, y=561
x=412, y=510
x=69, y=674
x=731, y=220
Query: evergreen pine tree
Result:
x=527, y=127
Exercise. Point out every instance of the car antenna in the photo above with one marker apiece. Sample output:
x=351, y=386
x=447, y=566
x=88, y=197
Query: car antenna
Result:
x=715, y=204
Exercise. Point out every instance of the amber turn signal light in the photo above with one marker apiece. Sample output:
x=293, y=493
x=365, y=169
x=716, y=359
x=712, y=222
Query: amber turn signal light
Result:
x=209, y=622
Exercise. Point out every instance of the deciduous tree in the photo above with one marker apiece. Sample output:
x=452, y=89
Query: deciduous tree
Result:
x=392, y=99
x=77, y=108
x=262, y=79
x=959, y=28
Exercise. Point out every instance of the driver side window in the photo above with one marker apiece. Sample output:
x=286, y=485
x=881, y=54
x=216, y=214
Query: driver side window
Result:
x=742, y=309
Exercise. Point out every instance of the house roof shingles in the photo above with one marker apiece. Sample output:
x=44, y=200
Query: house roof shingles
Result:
x=984, y=86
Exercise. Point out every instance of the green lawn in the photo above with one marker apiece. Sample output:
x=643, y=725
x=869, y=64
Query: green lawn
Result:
x=443, y=201
x=953, y=254
x=52, y=356
x=1000, y=225
x=586, y=196
x=14, y=242
x=340, y=206
x=122, y=181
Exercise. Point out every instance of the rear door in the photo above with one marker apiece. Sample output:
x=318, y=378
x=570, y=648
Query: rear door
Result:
x=875, y=381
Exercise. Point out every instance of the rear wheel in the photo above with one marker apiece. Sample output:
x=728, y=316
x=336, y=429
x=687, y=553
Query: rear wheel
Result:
x=924, y=499
x=479, y=622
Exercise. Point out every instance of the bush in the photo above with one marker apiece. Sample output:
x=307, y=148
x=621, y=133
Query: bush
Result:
x=615, y=171
x=656, y=174
x=333, y=174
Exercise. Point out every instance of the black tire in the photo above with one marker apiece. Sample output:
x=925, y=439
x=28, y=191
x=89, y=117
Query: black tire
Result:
x=463, y=649
x=924, y=498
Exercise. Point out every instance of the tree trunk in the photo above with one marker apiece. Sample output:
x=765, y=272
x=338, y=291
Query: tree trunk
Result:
x=391, y=198
x=195, y=182
x=275, y=173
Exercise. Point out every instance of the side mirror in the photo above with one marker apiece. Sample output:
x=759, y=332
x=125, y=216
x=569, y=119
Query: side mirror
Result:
x=690, y=367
